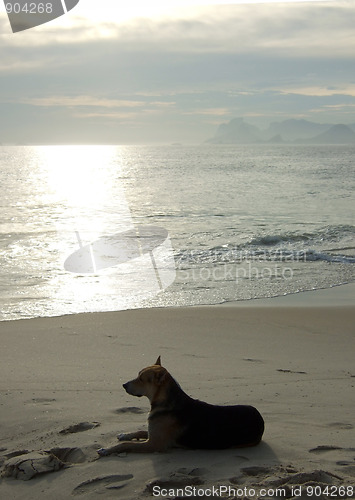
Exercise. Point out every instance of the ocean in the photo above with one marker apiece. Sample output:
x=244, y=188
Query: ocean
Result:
x=103, y=228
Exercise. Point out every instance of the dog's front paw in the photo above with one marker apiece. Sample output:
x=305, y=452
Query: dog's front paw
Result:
x=123, y=437
x=103, y=452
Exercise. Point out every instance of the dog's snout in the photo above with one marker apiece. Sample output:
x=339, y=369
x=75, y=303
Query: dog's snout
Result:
x=131, y=388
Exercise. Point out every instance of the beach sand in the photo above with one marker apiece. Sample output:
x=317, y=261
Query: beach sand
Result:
x=293, y=358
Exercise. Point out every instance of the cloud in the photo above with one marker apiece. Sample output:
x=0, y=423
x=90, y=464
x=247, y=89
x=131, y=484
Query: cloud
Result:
x=209, y=112
x=82, y=100
x=120, y=111
x=346, y=106
x=177, y=74
x=80, y=108
x=290, y=29
x=321, y=91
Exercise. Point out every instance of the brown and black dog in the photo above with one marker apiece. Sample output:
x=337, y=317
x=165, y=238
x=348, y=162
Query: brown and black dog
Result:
x=177, y=420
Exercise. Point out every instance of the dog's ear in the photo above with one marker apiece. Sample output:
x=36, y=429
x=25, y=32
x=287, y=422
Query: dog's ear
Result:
x=161, y=376
x=158, y=362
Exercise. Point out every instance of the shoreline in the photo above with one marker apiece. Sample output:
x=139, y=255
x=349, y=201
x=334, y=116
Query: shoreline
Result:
x=335, y=296
x=61, y=391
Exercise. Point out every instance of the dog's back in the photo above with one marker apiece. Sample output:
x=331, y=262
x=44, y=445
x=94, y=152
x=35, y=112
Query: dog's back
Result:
x=216, y=427
x=206, y=426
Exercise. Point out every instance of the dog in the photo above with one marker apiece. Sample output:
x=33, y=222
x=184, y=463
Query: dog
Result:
x=177, y=420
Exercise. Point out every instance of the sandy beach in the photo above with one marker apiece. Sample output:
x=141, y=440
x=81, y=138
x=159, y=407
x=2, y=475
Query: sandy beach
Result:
x=293, y=358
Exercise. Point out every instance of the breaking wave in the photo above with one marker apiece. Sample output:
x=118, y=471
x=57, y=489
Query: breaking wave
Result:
x=329, y=234
x=332, y=244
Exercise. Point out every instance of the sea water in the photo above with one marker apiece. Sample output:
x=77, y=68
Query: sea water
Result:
x=243, y=222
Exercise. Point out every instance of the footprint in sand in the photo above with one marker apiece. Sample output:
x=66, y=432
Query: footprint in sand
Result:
x=44, y=401
x=198, y=471
x=340, y=425
x=347, y=468
x=323, y=448
x=255, y=470
x=16, y=453
x=98, y=485
x=130, y=409
x=347, y=463
x=81, y=427
x=175, y=480
x=290, y=371
x=317, y=477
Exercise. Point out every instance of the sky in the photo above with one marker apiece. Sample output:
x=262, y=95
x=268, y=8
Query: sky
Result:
x=142, y=72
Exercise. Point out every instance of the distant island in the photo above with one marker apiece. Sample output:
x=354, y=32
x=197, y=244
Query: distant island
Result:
x=238, y=131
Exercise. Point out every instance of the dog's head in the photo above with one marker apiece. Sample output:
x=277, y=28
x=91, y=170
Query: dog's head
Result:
x=148, y=382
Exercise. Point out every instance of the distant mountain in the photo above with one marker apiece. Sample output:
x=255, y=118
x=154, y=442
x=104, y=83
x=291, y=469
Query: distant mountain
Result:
x=337, y=134
x=294, y=130
x=276, y=139
x=237, y=131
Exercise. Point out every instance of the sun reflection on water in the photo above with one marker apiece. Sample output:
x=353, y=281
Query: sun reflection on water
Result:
x=85, y=183
x=79, y=175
